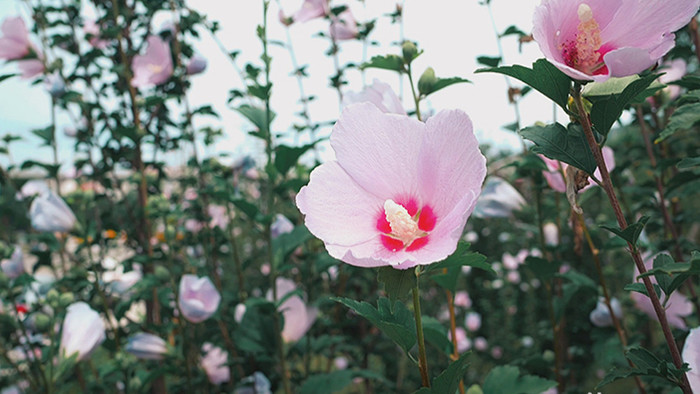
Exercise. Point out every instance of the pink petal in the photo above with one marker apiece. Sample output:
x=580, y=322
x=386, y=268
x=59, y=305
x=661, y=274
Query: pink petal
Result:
x=14, y=44
x=311, y=9
x=627, y=61
x=153, y=67
x=691, y=355
x=379, y=94
x=30, y=68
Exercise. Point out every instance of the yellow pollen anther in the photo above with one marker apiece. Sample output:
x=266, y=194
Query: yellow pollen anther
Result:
x=402, y=224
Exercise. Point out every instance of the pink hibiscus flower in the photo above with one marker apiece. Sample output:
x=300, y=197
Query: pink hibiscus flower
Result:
x=153, y=67
x=400, y=191
x=311, y=9
x=691, y=355
x=15, y=45
x=599, y=39
x=379, y=94
x=555, y=168
x=344, y=26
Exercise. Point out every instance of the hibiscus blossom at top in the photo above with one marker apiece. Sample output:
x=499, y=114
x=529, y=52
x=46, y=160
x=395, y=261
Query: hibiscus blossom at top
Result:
x=15, y=45
x=598, y=39
x=153, y=67
x=400, y=191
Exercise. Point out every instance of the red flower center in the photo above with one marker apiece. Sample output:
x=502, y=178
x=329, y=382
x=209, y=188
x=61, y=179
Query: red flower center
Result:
x=404, y=226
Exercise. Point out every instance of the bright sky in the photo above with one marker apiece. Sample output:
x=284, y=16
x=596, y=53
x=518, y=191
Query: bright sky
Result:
x=451, y=32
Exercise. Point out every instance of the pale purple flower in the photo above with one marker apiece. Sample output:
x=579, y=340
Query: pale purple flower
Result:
x=214, y=364
x=677, y=307
x=600, y=316
x=49, y=213
x=497, y=352
x=498, y=199
x=219, y=216
x=239, y=312
x=146, y=346
x=14, y=43
x=198, y=298
x=54, y=85
x=463, y=342
x=344, y=26
x=311, y=9
x=691, y=355
x=281, y=225
x=83, y=331
x=193, y=225
x=674, y=70
x=379, y=94
x=400, y=191
x=32, y=188
x=551, y=234
x=93, y=30
x=153, y=67
x=298, y=317
x=14, y=266
x=120, y=282
x=30, y=68
x=196, y=65
x=462, y=299
x=340, y=363
x=480, y=344
x=513, y=277
x=513, y=262
x=472, y=321
x=598, y=39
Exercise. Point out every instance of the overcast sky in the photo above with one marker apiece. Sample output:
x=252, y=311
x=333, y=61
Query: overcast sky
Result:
x=452, y=34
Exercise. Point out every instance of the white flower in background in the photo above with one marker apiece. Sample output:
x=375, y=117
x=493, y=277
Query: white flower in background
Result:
x=49, y=213
x=600, y=316
x=14, y=266
x=280, y=226
x=198, y=298
x=146, y=346
x=214, y=364
x=498, y=199
x=83, y=331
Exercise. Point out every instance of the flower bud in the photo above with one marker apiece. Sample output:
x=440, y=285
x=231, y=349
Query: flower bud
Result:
x=198, y=298
x=52, y=298
x=161, y=273
x=409, y=50
x=427, y=81
x=42, y=322
x=65, y=299
x=146, y=346
x=83, y=330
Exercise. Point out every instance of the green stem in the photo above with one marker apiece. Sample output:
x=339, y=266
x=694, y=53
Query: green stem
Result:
x=416, y=99
x=422, y=360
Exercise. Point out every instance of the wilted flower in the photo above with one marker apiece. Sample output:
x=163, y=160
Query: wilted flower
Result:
x=14, y=266
x=600, y=316
x=281, y=225
x=146, y=346
x=198, y=298
x=472, y=321
x=298, y=317
x=344, y=26
x=153, y=67
x=401, y=189
x=196, y=65
x=83, y=331
x=598, y=39
x=379, y=94
x=677, y=307
x=214, y=364
x=50, y=213
x=691, y=355
x=498, y=199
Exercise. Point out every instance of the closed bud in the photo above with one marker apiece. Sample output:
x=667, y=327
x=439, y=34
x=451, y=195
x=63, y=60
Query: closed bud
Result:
x=4, y=280
x=410, y=51
x=42, y=322
x=161, y=273
x=427, y=81
x=52, y=298
x=65, y=299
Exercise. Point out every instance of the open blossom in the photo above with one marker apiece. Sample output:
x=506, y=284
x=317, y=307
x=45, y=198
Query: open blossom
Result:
x=146, y=346
x=83, y=331
x=673, y=71
x=298, y=317
x=15, y=45
x=50, y=213
x=14, y=266
x=691, y=355
x=598, y=39
x=677, y=307
x=214, y=364
x=379, y=94
x=554, y=176
x=344, y=26
x=498, y=199
x=198, y=298
x=400, y=191
x=462, y=299
x=311, y=9
x=463, y=342
x=153, y=67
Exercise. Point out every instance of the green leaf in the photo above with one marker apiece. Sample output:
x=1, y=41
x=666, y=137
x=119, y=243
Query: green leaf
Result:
x=443, y=83
x=286, y=156
x=246, y=207
x=508, y=380
x=512, y=29
x=335, y=381
x=462, y=257
x=640, y=288
x=286, y=243
x=671, y=275
x=543, y=77
x=46, y=134
x=388, y=62
x=206, y=110
x=564, y=144
x=543, y=269
x=393, y=319
x=397, y=282
x=632, y=232
x=489, y=61
x=683, y=118
x=688, y=162
x=256, y=116
x=615, y=86
x=6, y=76
x=436, y=334
x=256, y=333
x=607, y=110
x=448, y=380
x=646, y=364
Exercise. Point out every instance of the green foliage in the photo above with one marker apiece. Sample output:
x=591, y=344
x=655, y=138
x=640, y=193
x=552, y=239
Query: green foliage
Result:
x=448, y=380
x=397, y=282
x=508, y=379
x=683, y=118
x=335, y=381
x=631, y=233
x=564, y=144
x=543, y=77
x=388, y=62
x=646, y=364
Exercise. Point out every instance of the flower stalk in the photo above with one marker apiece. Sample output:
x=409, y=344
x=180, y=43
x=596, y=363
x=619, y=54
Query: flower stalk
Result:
x=422, y=359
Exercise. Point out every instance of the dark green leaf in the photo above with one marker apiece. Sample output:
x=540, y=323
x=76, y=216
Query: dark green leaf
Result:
x=448, y=380
x=688, y=162
x=246, y=207
x=508, y=380
x=443, y=83
x=46, y=134
x=335, y=381
x=646, y=364
x=513, y=30
x=543, y=77
x=388, y=62
x=257, y=116
x=397, y=282
x=607, y=110
x=632, y=232
x=543, y=269
x=6, y=76
x=286, y=156
x=564, y=144
x=436, y=334
x=489, y=61
x=683, y=118
x=288, y=242
x=640, y=288
x=462, y=257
